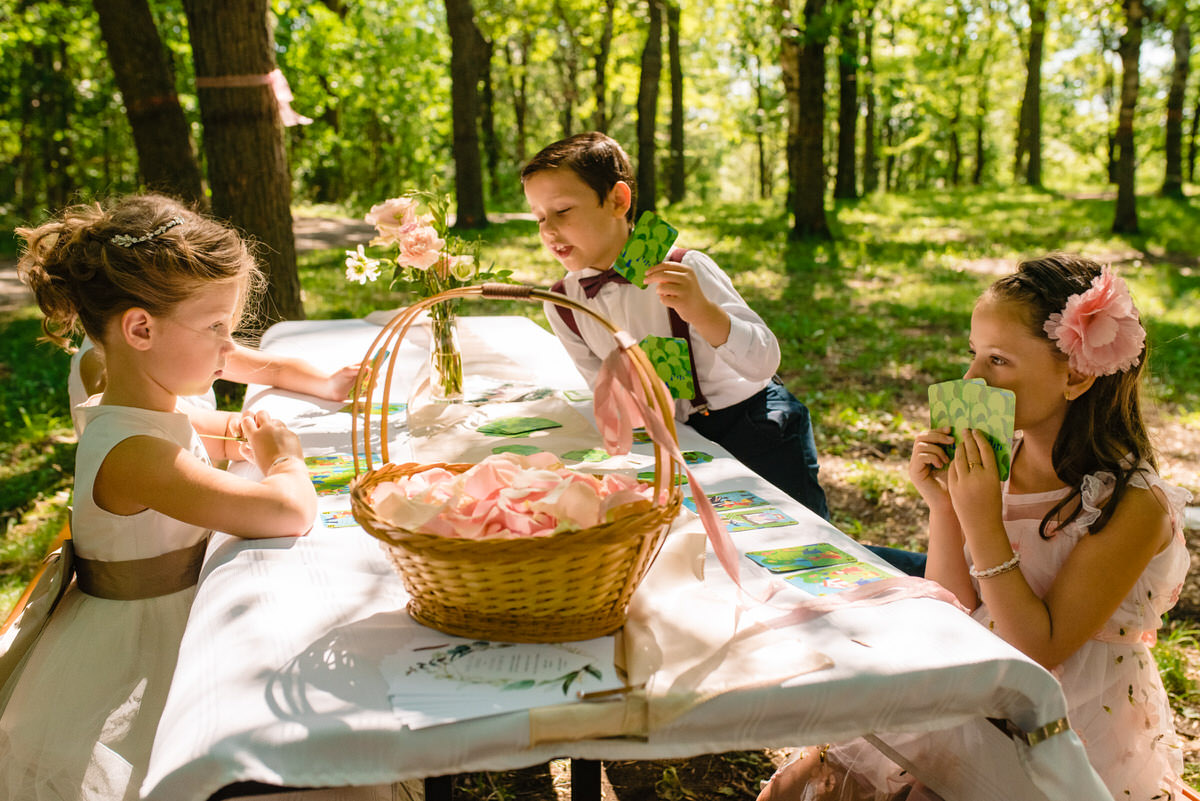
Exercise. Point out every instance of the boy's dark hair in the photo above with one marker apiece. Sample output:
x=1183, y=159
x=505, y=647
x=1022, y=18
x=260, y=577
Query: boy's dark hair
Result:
x=595, y=158
x=1103, y=429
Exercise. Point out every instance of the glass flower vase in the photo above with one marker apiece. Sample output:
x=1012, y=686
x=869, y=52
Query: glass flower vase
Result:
x=445, y=358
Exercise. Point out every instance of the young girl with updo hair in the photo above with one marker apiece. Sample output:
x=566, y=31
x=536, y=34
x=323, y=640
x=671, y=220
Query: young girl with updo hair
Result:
x=1073, y=559
x=82, y=241
x=160, y=289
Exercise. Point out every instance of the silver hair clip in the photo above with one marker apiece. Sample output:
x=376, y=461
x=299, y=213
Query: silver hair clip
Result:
x=127, y=241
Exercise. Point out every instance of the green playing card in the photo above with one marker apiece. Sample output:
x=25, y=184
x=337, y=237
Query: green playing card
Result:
x=648, y=244
x=587, y=455
x=971, y=403
x=522, y=450
x=516, y=426
x=671, y=359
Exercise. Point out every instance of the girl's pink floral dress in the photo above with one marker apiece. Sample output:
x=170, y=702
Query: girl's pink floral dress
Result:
x=1115, y=697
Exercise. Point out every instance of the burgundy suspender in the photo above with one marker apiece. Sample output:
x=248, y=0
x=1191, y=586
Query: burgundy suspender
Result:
x=678, y=329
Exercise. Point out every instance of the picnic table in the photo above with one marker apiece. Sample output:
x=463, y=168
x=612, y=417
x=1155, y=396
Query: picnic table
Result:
x=286, y=673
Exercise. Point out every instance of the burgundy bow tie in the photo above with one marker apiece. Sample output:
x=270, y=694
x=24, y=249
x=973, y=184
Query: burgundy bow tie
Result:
x=590, y=284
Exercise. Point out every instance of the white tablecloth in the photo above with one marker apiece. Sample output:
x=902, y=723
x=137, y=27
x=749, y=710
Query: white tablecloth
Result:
x=279, y=677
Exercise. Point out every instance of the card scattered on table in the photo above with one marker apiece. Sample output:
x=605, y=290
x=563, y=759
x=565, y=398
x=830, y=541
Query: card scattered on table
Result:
x=338, y=518
x=648, y=244
x=647, y=476
x=731, y=500
x=330, y=474
x=523, y=450
x=971, y=403
x=750, y=519
x=800, y=557
x=478, y=390
x=377, y=409
x=516, y=426
x=836, y=578
x=587, y=455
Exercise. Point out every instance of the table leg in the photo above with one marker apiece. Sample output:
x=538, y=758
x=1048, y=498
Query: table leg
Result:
x=439, y=788
x=585, y=779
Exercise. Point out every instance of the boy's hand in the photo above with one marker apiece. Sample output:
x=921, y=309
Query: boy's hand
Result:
x=679, y=289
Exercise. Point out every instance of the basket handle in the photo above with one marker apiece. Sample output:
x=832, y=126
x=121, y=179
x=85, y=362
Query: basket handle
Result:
x=393, y=333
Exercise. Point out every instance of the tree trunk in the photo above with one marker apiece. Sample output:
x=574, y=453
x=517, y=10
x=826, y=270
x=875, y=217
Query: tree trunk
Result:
x=809, y=192
x=487, y=122
x=960, y=54
x=566, y=61
x=1182, y=41
x=789, y=62
x=600, y=118
x=1192, y=145
x=982, y=108
x=233, y=51
x=889, y=161
x=1108, y=95
x=166, y=159
x=520, y=89
x=760, y=142
x=980, y=125
x=870, y=165
x=1125, y=220
x=675, y=179
x=1029, y=129
x=647, y=109
x=845, y=184
x=466, y=66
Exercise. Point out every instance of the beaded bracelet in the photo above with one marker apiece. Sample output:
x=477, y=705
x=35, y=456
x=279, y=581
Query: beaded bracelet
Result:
x=1000, y=569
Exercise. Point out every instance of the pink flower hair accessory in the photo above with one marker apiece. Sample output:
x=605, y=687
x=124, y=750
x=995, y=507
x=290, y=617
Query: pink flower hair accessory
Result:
x=1099, y=329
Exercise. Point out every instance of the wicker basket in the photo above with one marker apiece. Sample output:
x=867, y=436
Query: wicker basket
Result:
x=573, y=585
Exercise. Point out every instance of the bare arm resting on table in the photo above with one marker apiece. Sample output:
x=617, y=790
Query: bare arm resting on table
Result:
x=251, y=366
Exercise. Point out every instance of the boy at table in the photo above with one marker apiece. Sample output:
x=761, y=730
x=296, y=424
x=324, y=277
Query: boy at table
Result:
x=582, y=192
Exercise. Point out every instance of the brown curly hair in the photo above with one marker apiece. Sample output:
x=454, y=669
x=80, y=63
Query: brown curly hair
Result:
x=82, y=279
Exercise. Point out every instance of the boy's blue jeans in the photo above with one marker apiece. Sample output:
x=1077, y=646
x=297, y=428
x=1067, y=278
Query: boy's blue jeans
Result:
x=771, y=433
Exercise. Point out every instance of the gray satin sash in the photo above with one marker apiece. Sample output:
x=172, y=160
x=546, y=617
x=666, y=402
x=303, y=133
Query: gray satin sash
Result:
x=137, y=579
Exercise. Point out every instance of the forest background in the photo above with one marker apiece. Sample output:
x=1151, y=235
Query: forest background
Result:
x=862, y=168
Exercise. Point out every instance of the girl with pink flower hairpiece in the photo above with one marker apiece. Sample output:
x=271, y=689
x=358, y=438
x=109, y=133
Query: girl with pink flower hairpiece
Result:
x=1073, y=559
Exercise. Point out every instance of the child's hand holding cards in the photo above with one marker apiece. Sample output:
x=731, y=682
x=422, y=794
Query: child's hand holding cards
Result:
x=971, y=403
x=648, y=244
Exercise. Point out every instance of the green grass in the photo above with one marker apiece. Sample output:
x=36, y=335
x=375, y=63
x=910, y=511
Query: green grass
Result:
x=37, y=449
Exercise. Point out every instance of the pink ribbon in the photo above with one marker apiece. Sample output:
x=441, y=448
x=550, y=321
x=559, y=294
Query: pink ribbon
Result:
x=619, y=406
x=274, y=79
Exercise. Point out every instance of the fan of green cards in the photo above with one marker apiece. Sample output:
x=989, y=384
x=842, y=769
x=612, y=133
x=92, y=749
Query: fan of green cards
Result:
x=971, y=403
